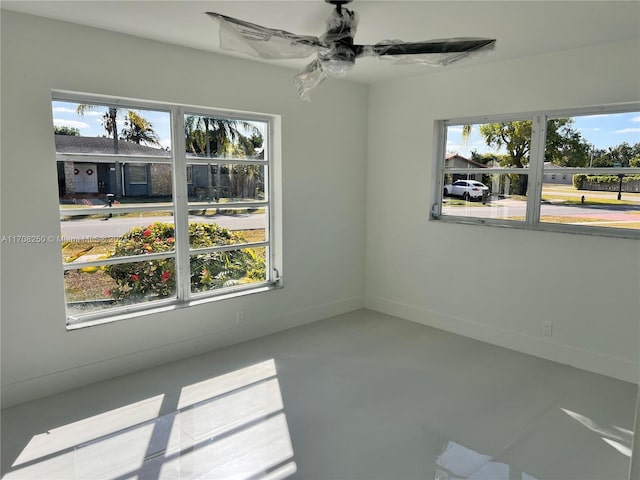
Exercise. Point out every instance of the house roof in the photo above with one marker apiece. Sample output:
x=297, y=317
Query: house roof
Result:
x=104, y=145
x=451, y=156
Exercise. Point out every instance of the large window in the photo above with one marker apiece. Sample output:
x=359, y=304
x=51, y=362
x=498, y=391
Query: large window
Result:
x=572, y=171
x=162, y=205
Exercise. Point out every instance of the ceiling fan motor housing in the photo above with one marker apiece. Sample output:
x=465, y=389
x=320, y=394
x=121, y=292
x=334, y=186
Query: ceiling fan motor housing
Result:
x=338, y=3
x=339, y=56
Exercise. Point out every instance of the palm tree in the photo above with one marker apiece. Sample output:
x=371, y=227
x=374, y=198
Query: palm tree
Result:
x=466, y=133
x=205, y=135
x=139, y=130
x=110, y=123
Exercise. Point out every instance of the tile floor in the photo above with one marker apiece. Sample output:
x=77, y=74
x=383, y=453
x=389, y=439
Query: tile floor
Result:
x=358, y=396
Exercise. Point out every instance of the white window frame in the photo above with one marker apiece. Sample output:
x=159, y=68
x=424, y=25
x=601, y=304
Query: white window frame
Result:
x=535, y=171
x=178, y=159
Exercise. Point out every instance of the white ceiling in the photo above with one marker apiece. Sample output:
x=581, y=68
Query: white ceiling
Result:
x=522, y=28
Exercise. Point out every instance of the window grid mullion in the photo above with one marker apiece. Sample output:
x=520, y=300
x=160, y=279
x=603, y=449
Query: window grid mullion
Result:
x=536, y=164
x=106, y=210
x=440, y=133
x=224, y=161
x=268, y=192
x=227, y=248
x=227, y=206
x=117, y=260
x=181, y=214
x=487, y=171
x=109, y=158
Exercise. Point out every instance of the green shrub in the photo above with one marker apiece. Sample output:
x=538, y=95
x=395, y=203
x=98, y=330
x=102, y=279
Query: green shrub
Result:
x=579, y=180
x=157, y=278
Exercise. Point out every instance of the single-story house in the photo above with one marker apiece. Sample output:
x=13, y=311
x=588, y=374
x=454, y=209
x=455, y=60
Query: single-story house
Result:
x=84, y=167
x=455, y=160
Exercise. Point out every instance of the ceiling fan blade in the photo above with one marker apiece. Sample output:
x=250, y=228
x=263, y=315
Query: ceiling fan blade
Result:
x=309, y=78
x=432, y=52
x=262, y=42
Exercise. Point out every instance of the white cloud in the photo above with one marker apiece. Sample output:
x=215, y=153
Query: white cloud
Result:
x=628, y=130
x=635, y=119
x=92, y=113
x=61, y=122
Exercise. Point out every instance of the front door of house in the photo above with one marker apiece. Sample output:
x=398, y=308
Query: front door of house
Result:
x=85, y=178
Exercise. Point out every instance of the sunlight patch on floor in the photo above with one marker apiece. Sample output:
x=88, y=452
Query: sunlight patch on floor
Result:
x=232, y=426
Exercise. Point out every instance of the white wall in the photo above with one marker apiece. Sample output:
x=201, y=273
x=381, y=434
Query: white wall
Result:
x=410, y=261
x=323, y=200
x=588, y=286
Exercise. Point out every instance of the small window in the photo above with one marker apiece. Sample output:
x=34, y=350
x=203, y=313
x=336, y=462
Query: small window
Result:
x=138, y=174
x=572, y=171
x=145, y=224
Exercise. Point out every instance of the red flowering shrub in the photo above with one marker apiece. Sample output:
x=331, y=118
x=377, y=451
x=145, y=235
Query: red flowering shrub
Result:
x=156, y=278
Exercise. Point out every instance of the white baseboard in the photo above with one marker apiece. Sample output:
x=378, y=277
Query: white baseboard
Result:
x=539, y=347
x=59, y=381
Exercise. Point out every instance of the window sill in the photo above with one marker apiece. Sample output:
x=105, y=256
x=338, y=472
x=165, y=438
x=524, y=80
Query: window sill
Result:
x=542, y=227
x=78, y=322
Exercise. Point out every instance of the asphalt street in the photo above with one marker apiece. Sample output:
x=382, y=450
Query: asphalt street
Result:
x=116, y=226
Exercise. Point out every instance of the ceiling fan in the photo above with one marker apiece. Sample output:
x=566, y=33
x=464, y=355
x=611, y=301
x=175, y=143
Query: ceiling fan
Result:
x=335, y=50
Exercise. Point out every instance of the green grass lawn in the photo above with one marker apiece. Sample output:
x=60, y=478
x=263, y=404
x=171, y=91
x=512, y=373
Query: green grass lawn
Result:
x=563, y=200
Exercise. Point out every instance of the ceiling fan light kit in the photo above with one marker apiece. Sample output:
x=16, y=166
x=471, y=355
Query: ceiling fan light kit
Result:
x=335, y=51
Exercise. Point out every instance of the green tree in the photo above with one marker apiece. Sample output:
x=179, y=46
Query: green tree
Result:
x=218, y=137
x=514, y=137
x=486, y=158
x=564, y=145
x=138, y=129
x=624, y=154
x=244, y=178
x=206, y=136
x=109, y=120
x=64, y=130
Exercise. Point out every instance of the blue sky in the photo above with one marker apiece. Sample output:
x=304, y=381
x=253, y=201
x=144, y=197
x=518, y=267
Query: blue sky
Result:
x=602, y=131
x=90, y=124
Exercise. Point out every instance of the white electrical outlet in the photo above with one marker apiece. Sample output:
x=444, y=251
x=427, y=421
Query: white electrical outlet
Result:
x=240, y=317
x=547, y=328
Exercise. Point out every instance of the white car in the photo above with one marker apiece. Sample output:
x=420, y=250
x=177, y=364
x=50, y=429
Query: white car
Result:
x=467, y=189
